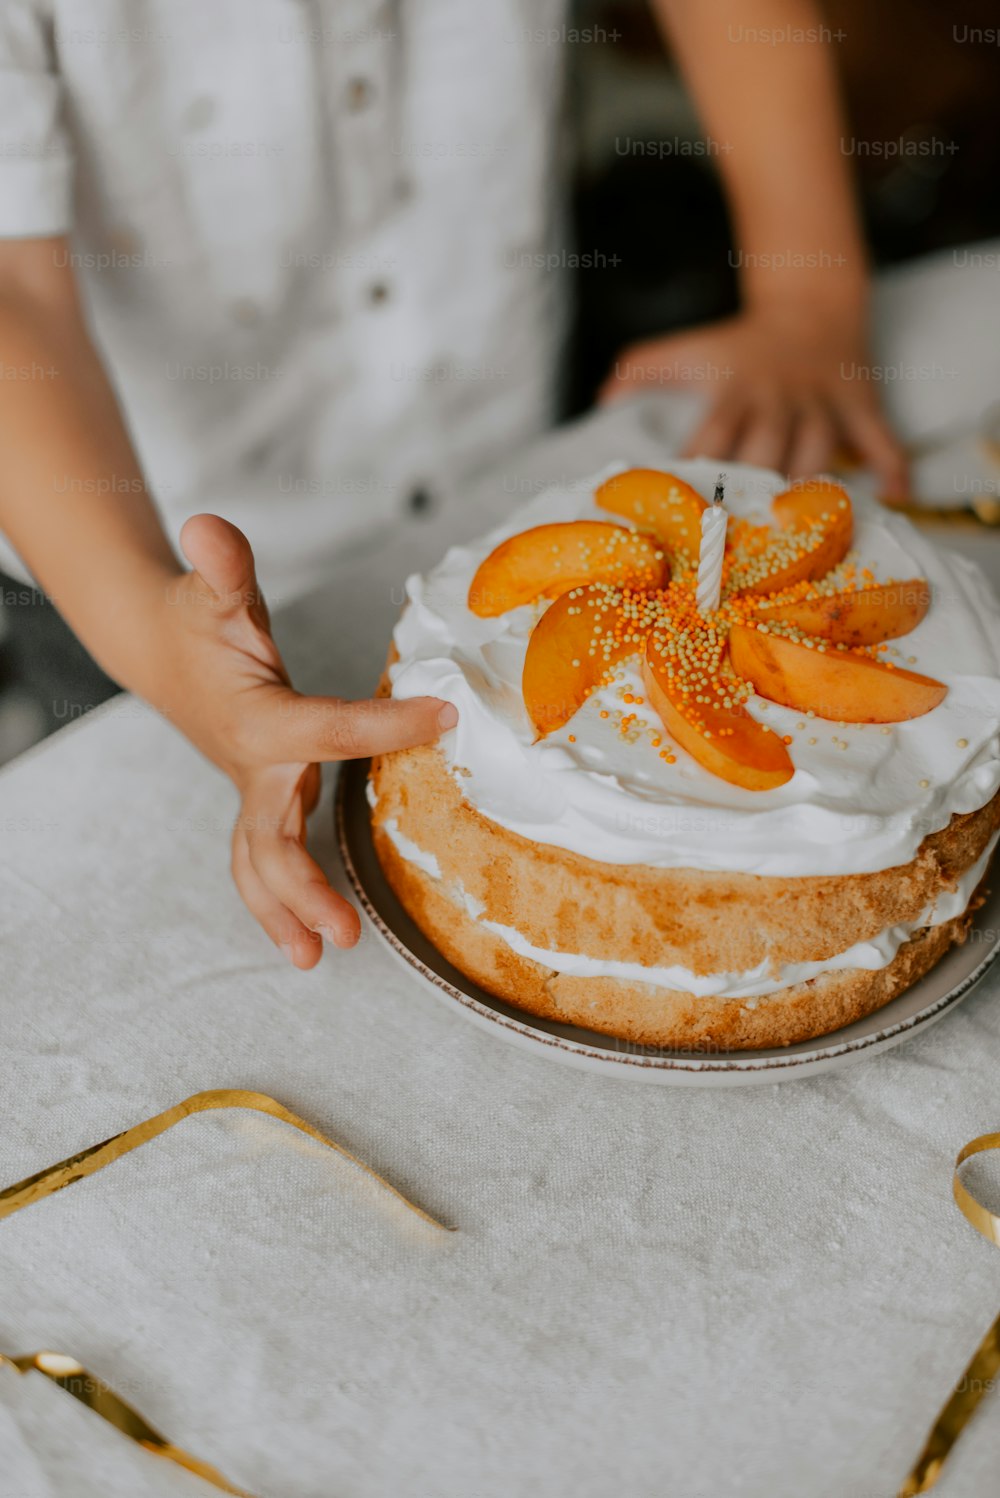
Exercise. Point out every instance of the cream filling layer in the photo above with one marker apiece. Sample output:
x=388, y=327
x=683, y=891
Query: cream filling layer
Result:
x=756, y=982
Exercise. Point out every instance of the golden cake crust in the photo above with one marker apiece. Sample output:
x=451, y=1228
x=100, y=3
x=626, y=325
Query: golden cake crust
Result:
x=643, y=1013
x=706, y=922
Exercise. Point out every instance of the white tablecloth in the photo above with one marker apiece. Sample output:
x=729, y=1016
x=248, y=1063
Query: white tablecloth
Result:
x=761, y=1292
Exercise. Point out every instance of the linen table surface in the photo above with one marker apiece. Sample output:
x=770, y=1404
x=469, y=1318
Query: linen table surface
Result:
x=761, y=1291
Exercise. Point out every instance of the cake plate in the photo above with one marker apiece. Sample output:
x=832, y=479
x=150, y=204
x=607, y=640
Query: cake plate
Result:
x=903, y=1018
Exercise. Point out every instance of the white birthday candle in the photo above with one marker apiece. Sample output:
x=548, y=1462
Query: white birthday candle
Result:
x=714, y=519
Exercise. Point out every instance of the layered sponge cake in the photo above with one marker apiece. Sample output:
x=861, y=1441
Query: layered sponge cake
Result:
x=732, y=823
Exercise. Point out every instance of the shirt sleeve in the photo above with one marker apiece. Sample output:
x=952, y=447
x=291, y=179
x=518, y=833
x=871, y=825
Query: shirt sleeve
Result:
x=36, y=166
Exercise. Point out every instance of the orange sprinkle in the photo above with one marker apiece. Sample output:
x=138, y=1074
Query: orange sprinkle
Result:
x=691, y=647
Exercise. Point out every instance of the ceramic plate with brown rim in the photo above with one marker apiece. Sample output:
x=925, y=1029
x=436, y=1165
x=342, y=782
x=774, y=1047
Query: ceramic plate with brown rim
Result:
x=952, y=980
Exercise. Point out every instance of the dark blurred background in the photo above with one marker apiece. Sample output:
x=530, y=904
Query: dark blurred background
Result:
x=911, y=70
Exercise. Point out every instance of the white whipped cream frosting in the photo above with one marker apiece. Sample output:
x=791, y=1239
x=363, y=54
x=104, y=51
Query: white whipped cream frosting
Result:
x=845, y=811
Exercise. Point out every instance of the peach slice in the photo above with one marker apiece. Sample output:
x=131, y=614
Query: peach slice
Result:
x=658, y=502
x=821, y=509
x=832, y=683
x=550, y=559
x=559, y=671
x=865, y=616
x=724, y=740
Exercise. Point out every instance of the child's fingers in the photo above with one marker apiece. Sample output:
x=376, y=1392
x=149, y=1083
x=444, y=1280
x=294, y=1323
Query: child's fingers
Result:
x=766, y=432
x=292, y=877
x=813, y=443
x=273, y=821
x=717, y=435
x=310, y=729
x=302, y=947
x=312, y=784
x=870, y=434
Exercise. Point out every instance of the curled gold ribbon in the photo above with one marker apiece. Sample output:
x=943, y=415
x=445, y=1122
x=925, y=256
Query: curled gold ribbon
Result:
x=65, y=1370
x=983, y=1221
x=66, y=1172
x=97, y=1396
x=981, y=1374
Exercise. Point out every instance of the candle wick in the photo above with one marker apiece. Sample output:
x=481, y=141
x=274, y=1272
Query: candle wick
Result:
x=720, y=490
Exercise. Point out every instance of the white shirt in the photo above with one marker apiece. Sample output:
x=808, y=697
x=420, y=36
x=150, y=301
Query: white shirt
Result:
x=311, y=238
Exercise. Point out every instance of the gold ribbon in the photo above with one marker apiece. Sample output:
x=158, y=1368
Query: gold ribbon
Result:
x=97, y=1396
x=980, y=1375
x=66, y=1172
x=65, y=1370
x=983, y=1221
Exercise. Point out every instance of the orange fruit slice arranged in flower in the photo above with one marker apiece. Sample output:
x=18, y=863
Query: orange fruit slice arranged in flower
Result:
x=657, y=502
x=830, y=680
x=550, y=559
x=815, y=527
x=714, y=726
x=789, y=627
x=576, y=644
x=865, y=616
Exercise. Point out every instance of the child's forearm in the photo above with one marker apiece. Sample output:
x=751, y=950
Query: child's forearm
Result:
x=763, y=80
x=72, y=498
x=73, y=503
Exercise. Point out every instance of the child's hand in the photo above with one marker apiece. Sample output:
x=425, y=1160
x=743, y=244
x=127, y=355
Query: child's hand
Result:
x=788, y=389
x=222, y=682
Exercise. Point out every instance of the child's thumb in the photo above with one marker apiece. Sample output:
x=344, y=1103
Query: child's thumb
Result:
x=222, y=557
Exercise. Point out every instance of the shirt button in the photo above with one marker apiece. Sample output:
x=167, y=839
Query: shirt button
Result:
x=359, y=94
x=378, y=292
x=246, y=312
x=199, y=112
x=420, y=501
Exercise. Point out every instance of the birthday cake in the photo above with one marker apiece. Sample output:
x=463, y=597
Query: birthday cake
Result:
x=724, y=776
